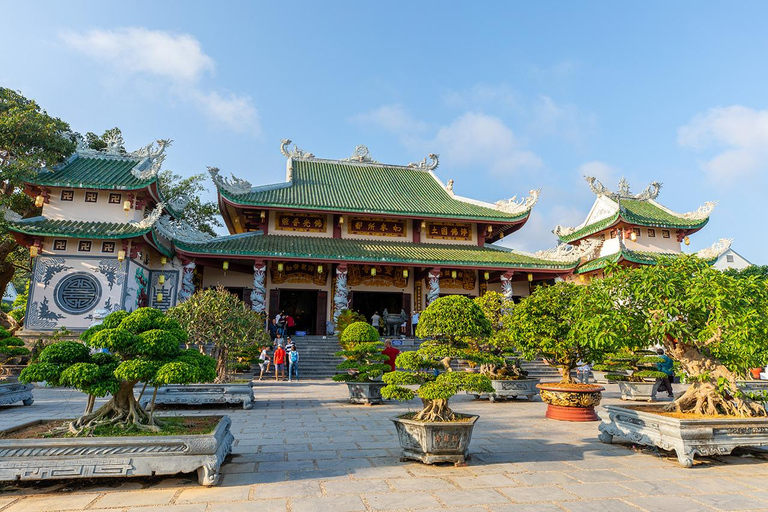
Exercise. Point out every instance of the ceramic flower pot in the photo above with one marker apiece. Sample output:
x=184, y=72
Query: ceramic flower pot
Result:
x=571, y=402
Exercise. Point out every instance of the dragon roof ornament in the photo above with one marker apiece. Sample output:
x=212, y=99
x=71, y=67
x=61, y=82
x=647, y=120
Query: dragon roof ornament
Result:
x=150, y=157
x=624, y=192
x=561, y=231
x=11, y=216
x=424, y=166
x=149, y=220
x=232, y=185
x=716, y=249
x=179, y=203
x=294, y=152
x=362, y=155
x=515, y=206
x=702, y=212
x=180, y=230
x=569, y=253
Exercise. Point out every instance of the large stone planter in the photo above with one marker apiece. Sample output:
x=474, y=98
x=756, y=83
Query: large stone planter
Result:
x=94, y=457
x=368, y=393
x=435, y=441
x=716, y=436
x=506, y=389
x=199, y=394
x=600, y=376
x=641, y=391
x=16, y=392
x=571, y=402
x=753, y=386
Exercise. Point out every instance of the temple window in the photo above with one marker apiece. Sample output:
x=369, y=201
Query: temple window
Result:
x=665, y=233
x=84, y=246
x=67, y=195
x=636, y=231
x=729, y=258
x=115, y=198
x=108, y=247
x=651, y=233
x=91, y=197
x=59, y=245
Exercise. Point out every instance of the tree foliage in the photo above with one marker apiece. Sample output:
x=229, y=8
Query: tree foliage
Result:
x=449, y=323
x=758, y=271
x=362, y=354
x=346, y=318
x=142, y=346
x=218, y=319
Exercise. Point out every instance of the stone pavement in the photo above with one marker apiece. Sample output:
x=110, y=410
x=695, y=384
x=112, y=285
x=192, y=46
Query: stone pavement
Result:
x=302, y=448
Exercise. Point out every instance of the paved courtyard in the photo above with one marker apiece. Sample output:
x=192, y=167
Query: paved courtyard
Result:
x=303, y=448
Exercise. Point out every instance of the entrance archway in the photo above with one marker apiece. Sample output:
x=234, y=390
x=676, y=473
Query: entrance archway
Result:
x=367, y=303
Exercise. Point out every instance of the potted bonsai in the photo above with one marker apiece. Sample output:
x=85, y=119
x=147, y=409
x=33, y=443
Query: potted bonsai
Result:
x=548, y=324
x=120, y=438
x=497, y=357
x=364, y=364
x=436, y=433
x=12, y=348
x=642, y=379
x=714, y=325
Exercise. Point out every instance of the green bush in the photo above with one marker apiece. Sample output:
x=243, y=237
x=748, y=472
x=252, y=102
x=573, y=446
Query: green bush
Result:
x=358, y=332
x=346, y=318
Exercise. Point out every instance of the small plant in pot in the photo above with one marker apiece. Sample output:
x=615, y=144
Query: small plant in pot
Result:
x=550, y=324
x=436, y=433
x=642, y=380
x=11, y=350
x=364, y=364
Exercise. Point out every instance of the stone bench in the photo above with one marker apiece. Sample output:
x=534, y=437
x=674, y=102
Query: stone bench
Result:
x=200, y=394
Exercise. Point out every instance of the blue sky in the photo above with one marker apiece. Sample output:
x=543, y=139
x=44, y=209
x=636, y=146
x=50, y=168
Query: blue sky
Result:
x=513, y=96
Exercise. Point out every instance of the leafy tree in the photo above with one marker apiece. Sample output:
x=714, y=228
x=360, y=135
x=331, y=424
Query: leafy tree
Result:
x=551, y=323
x=346, y=318
x=496, y=354
x=362, y=351
x=204, y=215
x=713, y=324
x=10, y=347
x=758, y=271
x=29, y=139
x=218, y=318
x=99, y=142
x=143, y=346
x=448, y=323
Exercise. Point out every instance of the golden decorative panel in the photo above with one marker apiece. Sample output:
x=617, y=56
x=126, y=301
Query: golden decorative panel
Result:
x=377, y=227
x=298, y=272
x=386, y=275
x=449, y=231
x=464, y=279
x=306, y=222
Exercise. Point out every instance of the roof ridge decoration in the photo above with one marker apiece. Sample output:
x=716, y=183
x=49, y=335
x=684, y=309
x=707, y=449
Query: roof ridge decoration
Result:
x=701, y=213
x=716, y=249
x=567, y=253
x=561, y=231
x=114, y=150
x=295, y=152
x=360, y=155
x=424, y=166
x=11, y=216
x=150, y=220
x=180, y=230
x=624, y=192
x=516, y=206
x=233, y=185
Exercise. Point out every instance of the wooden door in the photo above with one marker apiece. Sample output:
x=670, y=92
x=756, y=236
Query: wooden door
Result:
x=322, y=309
x=274, y=304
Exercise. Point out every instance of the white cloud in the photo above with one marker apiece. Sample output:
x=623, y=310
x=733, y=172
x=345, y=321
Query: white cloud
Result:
x=736, y=138
x=393, y=118
x=177, y=60
x=607, y=174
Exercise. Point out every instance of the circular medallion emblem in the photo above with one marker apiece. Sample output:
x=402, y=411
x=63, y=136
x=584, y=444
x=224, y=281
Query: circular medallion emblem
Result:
x=77, y=293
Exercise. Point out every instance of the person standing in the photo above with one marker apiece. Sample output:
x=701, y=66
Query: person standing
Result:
x=376, y=321
x=278, y=339
x=264, y=364
x=667, y=366
x=391, y=352
x=290, y=323
x=279, y=363
x=293, y=363
x=414, y=321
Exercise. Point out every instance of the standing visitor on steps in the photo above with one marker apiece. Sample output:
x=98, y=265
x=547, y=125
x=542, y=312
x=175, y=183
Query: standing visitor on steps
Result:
x=391, y=352
x=279, y=362
x=290, y=323
x=667, y=367
x=278, y=340
x=293, y=363
x=414, y=321
x=376, y=321
x=264, y=364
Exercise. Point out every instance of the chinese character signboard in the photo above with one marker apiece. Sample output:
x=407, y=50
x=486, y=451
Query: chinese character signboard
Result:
x=307, y=222
x=464, y=279
x=377, y=227
x=298, y=272
x=384, y=275
x=449, y=231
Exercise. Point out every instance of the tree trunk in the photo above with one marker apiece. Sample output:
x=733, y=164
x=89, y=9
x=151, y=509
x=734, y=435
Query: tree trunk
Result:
x=435, y=410
x=121, y=410
x=709, y=396
x=221, y=365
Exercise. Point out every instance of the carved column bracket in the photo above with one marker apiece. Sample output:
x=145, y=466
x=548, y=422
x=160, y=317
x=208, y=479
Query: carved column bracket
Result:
x=433, y=278
x=506, y=285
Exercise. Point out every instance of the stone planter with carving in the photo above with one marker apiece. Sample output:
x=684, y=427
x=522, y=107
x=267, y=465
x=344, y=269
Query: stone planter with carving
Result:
x=95, y=457
x=641, y=391
x=439, y=441
x=600, y=378
x=511, y=389
x=368, y=393
x=571, y=402
x=687, y=437
x=199, y=394
x=16, y=392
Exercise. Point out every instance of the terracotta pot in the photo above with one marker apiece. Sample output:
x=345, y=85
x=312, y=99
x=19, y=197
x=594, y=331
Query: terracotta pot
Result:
x=572, y=402
x=756, y=373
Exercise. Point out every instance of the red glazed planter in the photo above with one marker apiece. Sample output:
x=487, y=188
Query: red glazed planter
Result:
x=571, y=402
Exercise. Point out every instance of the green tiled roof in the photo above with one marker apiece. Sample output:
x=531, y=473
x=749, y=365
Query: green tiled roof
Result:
x=641, y=257
x=367, y=188
x=41, y=226
x=642, y=213
x=371, y=251
x=101, y=172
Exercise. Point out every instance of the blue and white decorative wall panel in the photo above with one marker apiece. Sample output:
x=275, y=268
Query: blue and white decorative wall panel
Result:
x=66, y=290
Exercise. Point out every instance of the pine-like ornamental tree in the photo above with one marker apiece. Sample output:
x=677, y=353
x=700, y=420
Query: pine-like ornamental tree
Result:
x=362, y=351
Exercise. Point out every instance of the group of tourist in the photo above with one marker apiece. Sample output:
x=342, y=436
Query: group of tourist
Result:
x=282, y=357
x=376, y=322
x=282, y=324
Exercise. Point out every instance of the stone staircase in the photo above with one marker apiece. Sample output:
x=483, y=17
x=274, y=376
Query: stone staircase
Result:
x=317, y=360
x=538, y=369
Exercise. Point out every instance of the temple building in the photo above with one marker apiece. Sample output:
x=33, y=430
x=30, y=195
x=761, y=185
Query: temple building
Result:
x=633, y=230
x=335, y=234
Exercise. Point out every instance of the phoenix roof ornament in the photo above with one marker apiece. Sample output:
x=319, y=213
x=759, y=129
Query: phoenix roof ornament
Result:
x=232, y=185
x=424, y=166
x=702, y=212
x=295, y=152
x=566, y=252
x=515, y=206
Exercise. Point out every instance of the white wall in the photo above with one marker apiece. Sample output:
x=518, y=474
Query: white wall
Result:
x=739, y=262
x=101, y=210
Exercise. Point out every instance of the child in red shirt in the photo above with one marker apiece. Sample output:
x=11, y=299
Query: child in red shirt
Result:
x=279, y=359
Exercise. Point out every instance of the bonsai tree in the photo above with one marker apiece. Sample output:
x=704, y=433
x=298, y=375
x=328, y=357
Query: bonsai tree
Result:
x=346, y=318
x=713, y=324
x=448, y=323
x=549, y=324
x=496, y=354
x=219, y=319
x=142, y=346
x=362, y=351
x=10, y=347
x=641, y=366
